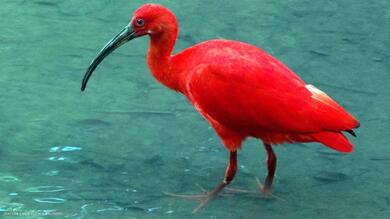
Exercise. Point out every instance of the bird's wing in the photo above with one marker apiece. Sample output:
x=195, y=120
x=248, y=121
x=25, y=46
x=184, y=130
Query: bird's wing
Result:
x=267, y=97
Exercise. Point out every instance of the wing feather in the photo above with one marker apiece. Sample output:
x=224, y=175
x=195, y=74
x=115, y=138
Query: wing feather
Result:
x=271, y=98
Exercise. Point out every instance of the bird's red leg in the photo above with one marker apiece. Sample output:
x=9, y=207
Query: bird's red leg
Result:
x=271, y=168
x=229, y=175
x=266, y=188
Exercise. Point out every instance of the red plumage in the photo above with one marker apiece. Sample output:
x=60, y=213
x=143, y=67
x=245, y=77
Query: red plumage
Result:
x=243, y=91
x=240, y=90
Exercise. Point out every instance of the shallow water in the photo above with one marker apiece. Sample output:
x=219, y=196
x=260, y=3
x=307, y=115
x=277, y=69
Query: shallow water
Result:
x=112, y=151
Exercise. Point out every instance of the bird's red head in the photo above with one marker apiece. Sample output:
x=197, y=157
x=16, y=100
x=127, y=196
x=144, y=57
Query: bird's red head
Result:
x=153, y=19
x=149, y=19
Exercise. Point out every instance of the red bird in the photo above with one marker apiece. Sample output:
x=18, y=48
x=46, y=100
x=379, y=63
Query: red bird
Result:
x=239, y=89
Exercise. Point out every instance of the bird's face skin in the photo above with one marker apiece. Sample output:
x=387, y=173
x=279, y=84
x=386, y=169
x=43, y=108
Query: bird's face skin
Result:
x=144, y=23
x=150, y=19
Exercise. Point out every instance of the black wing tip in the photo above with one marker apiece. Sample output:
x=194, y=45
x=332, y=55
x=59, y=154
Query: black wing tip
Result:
x=358, y=125
x=350, y=131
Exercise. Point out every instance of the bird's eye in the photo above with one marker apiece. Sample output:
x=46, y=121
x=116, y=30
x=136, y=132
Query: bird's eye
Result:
x=140, y=22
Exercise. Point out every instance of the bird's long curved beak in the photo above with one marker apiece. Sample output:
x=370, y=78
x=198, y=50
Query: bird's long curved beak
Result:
x=123, y=37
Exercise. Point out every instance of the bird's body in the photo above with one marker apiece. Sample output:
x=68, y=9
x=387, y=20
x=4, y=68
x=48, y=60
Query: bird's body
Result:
x=239, y=89
x=243, y=91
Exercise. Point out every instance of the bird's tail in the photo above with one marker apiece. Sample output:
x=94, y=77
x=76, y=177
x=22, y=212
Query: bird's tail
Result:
x=334, y=140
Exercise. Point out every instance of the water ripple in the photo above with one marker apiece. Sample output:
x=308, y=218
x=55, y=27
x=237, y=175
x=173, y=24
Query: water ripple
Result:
x=51, y=200
x=64, y=149
x=13, y=206
x=8, y=179
x=114, y=208
x=46, y=189
x=51, y=173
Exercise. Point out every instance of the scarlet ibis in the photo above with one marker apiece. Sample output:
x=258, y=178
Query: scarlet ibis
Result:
x=239, y=89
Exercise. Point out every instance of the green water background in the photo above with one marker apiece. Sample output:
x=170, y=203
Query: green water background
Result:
x=112, y=151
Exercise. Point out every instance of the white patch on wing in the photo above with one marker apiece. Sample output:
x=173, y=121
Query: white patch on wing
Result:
x=319, y=95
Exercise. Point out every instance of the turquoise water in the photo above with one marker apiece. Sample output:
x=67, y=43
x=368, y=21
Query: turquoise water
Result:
x=114, y=150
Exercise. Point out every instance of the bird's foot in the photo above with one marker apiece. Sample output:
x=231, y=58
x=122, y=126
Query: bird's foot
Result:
x=202, y=198
x=264, y=191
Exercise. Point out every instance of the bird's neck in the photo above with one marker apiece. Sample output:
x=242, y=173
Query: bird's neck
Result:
x=159, y=59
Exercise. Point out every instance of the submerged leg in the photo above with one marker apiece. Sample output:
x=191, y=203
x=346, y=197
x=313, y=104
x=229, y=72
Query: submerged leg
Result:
x=271, y=167
x=229, y=175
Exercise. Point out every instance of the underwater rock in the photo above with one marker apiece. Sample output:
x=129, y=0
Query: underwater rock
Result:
x=135, y=208
x=91, y=163
x=330, y=177
x=46, y=3
x=156, y=160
